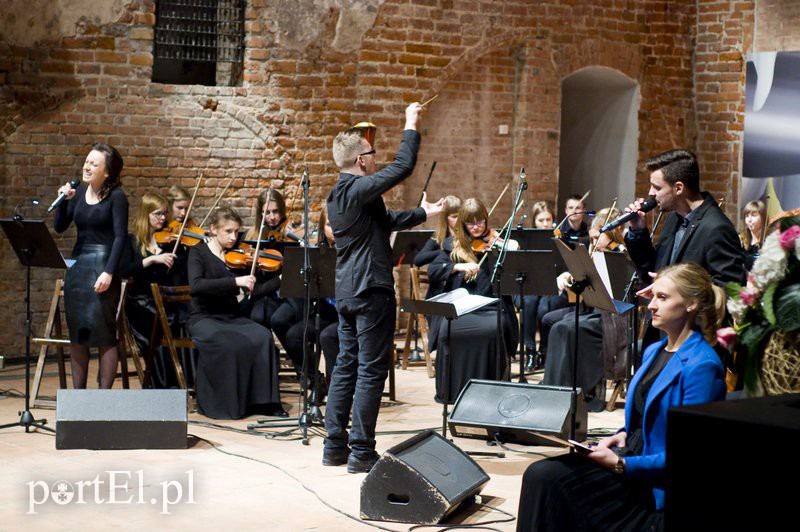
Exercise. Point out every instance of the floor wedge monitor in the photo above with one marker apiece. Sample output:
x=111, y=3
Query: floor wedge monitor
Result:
x=421, y=480
x=121, y=419
x=517, y=412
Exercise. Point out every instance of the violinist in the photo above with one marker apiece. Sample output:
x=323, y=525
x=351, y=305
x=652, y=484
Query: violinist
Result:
x=754, y=214
x=144, y=262
x=237, y=369
x=559, y=356
x=574, y=229
x=473, y=337
x=179, y=199
x=442, y=240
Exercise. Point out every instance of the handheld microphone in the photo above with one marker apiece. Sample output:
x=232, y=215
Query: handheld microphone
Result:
x=74, y=184
x=648, y=205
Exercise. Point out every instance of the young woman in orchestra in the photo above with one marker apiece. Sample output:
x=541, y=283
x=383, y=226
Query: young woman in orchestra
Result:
x=145, y=263
x=620, y=484
x=237, y=370
x=754, y=215
x=99, y=209
x=473, y=351
x=179, y=199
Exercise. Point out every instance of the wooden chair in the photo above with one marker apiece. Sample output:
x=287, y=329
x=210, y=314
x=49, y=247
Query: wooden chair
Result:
x=418, y=278
x=616, y=354
x=54, y=336
x=162, y=334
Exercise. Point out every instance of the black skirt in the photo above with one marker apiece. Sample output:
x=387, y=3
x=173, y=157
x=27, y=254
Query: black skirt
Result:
x=572, y=493
x=237, y=367
x=91, y=317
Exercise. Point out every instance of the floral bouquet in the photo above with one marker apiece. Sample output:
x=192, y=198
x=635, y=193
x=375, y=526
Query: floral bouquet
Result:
x=767, y=314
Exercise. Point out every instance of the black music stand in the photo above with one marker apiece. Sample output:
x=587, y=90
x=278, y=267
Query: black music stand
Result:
x=405, y=246
x=527, y=273
x=539, y=240
x=34, y=246
x=587, y=283
x=322, y=282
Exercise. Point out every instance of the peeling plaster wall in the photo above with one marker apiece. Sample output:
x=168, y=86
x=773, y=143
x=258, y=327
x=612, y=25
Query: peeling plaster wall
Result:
x=26, y=22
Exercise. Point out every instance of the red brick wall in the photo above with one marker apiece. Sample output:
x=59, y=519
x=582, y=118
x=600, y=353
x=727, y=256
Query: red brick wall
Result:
x=490, y=63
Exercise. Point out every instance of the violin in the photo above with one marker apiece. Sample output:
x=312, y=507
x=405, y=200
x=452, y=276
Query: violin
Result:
x=269, y=260
x=280, y=233
x=490, y=240
x=192, y=234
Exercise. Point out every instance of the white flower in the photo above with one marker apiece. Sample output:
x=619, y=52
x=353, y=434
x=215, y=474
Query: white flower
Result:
x=797, y=248
x=770, y=267
x=736, y=308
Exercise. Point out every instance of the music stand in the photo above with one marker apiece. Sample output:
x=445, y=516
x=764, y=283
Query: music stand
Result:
x=405, y=246
x=588, y=283
x=34, y=246
x=527, y=273
x=322, y=282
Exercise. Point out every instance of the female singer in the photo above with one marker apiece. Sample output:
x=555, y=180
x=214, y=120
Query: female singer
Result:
x=537, y=306
x=442, y=240
x=754, y=215
x=473, y=337
x=620, y=484
x=237, y=370
x=560, y=354
x=99, y=209
x=145, y=263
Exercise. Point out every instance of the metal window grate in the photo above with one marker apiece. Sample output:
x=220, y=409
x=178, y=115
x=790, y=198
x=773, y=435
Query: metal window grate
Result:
x=206, y=31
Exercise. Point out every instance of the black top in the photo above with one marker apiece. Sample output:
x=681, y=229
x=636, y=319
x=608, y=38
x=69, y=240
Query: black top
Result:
x=427, y=255
x=751, y=254
x=440, y=270
x=710, y=241
x=362, y=225
x=132, y=266
x=579, y=235
x=634, y=443
x=105, y=223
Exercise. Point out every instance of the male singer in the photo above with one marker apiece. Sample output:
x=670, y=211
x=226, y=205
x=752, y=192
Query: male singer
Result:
x=365, y=297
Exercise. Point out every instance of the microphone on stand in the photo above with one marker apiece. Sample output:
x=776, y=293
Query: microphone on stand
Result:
x=648, y=205
x=74, y=184
x=523, y=178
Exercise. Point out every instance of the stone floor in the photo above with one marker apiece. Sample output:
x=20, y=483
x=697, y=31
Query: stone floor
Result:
x=227, y=479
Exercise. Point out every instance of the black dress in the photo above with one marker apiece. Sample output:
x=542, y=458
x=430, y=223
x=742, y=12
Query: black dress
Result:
x=237, y=369
x=430, y=251
x=473, y=337
x=102, y=230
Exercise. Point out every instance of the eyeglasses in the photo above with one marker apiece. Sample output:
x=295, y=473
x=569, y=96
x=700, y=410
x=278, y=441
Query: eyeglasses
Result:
x=477, y=223
x=370, y=152
x=159, y=214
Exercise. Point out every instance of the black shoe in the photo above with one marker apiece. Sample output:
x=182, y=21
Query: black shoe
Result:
x=539, y=360
x=276, y=410
x=335, y=458
x=361, y=465
x=530, y=358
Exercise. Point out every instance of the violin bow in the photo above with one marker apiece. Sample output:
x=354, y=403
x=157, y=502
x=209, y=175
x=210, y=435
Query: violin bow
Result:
x=216, y=201
x=503, y=193
x=503, y=230
x=188, y=212
x=593, y=245
x=433, y=167
x=557, y=230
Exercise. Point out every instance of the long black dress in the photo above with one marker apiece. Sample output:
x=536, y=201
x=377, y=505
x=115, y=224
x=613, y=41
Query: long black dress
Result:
x=430, y=251
x=102, y=230
x=237, y=370
x=473, y=337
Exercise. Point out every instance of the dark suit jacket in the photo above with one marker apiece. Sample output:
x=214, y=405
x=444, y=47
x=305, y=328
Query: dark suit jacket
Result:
x=362, y=224
x=710, y=241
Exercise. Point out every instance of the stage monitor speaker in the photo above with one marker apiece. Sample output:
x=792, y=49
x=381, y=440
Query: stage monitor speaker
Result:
x=121, y=419
x=731, y=465
x=421, y=480
x=517, y=412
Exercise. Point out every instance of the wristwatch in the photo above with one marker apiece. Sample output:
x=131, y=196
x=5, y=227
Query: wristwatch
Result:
x=619, y=467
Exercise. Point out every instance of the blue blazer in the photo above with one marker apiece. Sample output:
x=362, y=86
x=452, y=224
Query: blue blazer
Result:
x=694, y=375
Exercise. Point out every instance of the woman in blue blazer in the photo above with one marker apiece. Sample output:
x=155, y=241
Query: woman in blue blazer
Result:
x=619, y=485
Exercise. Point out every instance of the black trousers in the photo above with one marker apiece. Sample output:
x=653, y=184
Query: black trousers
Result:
x=366, y=326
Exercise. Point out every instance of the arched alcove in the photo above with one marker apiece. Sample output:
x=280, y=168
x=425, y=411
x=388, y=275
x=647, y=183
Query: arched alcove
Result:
x=599, y=136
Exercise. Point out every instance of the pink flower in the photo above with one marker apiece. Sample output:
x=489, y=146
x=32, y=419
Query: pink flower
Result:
x=748, y=296
x=726, y=337
x=789, y=236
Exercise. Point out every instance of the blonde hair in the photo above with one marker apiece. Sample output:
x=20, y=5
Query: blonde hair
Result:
x=347, y=147
x=539, y=207
x=749, y=208
x=224, y=213
x=141, y=224
x=323, y=219
x=451, y=204
x=472, y=210
x=693, y=283
x=177, y=193
x=616, y=235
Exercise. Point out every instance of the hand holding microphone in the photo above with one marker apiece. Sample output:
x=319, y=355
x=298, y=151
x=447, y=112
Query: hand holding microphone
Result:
x=634, y=214
x=67, y=191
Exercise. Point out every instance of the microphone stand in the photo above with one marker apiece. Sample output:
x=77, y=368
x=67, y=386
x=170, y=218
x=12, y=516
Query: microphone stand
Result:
x=497, y=271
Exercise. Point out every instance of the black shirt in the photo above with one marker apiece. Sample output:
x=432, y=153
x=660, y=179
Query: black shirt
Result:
x=362, y=225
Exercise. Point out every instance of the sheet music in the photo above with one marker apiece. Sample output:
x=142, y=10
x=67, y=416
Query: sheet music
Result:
x=602, y=268
x=463, y=301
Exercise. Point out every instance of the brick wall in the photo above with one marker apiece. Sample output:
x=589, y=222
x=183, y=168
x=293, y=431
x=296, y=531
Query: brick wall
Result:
x=312, y=68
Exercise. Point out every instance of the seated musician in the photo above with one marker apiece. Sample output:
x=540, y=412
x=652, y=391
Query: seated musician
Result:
x=144, y=262
x=620, y=484
x=442, y=240
x=754, y=215
x=237, y=369
x=473, y=337
x=560, y=355
x=179, y=199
